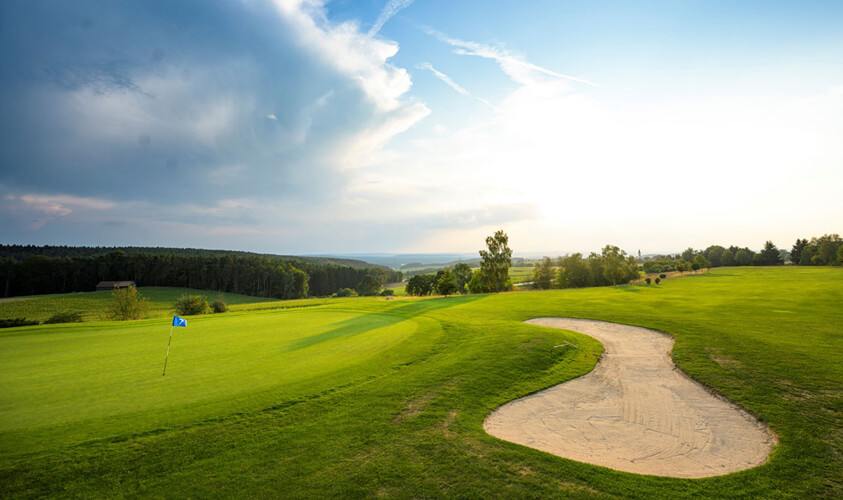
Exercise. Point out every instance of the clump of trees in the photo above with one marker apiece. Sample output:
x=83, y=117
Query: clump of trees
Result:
x=126, y=304
x=827, y=250
x=493, y=275
x=612, y=266
x=369, y=286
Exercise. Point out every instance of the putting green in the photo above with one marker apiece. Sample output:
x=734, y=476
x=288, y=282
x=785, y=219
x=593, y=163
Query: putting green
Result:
x=78, y=382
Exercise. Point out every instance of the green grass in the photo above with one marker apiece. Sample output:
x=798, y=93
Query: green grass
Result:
x=93, y=305
x=521, y=274
x=367, y=397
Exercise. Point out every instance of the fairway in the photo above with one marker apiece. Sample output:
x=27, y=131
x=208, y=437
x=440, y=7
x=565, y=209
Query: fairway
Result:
x=69, y=383
x=368, y=397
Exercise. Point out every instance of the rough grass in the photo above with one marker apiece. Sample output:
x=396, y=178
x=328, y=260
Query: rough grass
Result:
x=397, y=410
x=93, y=305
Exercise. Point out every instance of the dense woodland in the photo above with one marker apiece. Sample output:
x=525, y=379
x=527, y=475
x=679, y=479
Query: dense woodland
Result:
x=20, y=252
x=250, y=275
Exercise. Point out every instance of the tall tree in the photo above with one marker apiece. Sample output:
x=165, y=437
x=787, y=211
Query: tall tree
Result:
x=614, y=260
x=446, y=284
x=462, y=273
x=796, y=251
x=769, y=256
x=496, y=261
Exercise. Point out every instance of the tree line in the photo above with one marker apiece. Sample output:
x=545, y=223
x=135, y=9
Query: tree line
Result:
x=826, y=250
x=249, y=275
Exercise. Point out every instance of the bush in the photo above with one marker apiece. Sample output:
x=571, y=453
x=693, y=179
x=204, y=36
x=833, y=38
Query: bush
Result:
x=387, y=292
x=219, y=305
x=662, y=276
x=345, y=292
x=188, y=305
x=647, y=280
x=658, y=280
x=13, y=322
x=65, y=317
x=126, y=304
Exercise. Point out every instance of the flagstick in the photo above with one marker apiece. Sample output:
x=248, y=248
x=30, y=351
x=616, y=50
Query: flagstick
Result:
x=168, y=350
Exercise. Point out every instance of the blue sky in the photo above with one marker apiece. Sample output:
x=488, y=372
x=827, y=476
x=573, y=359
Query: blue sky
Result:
x=295, y=126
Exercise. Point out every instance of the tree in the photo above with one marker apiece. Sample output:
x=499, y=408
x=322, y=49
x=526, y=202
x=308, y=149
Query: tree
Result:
x=446, y=284
x=700, y=262
x=127, y=303
x=462, y=273
x=825, y=249
x=688, y=254
x=769, y=256
x=714, y=254
x=613, y=264
x=727, y=258
x=496, y=262
x=574, y=272
x=369, y=285
x=420, y=284
x=543, y=274
x=743, y=257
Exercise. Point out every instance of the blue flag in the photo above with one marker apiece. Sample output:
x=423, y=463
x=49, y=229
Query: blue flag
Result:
x=179, y=321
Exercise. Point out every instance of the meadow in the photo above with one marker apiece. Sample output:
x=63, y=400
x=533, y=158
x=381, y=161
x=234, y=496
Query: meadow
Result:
x=369, y=397
x=93, y=305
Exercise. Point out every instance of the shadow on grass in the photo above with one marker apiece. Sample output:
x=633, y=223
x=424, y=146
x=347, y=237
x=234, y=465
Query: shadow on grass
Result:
x=364, y=323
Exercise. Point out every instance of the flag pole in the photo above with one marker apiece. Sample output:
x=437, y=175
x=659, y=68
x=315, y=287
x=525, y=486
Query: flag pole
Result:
x=168, y=350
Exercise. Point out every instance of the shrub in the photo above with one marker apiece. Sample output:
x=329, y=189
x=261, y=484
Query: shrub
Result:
x=345, y=292
x=387, y=292
x=13, y=322
x=662, y=276
x=647, y=280
x=126, y=304
x=65, y=317
x=188, y=305
x=219, y=305
x=658, y=280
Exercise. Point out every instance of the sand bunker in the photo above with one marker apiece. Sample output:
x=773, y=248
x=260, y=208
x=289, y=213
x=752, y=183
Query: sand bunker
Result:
x=634, y=412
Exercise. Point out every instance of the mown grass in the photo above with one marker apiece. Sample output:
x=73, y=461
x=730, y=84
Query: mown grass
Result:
x=397, y=411
x=93, y=305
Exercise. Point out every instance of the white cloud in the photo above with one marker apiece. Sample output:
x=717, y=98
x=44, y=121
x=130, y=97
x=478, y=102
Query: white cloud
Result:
x=515, y=66
x=451, y=83
x=391, y=8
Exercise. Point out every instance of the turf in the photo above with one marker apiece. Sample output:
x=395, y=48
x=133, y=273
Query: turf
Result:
x=93, y=305
x=369, y=397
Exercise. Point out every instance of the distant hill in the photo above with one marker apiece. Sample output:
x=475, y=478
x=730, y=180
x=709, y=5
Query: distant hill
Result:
x=21, y=252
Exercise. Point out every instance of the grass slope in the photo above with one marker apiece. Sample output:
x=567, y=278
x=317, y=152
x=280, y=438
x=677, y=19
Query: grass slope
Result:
x=387, y=398
x=93, y=305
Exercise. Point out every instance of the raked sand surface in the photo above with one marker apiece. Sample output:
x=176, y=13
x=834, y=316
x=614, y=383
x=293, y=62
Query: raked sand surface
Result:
x=635, y=412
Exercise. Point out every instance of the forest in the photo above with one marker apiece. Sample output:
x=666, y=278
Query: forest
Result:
x=249, y=275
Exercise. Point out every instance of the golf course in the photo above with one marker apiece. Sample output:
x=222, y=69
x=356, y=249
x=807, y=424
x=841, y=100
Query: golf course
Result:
x=367, y=397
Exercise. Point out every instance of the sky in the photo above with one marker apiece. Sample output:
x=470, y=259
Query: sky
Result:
x=305, y=127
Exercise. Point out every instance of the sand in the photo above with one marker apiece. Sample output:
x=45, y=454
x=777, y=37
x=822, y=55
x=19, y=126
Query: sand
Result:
x=635, y=412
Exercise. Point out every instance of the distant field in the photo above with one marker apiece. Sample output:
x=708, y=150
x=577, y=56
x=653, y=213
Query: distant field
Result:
x=366, y=397
x=93, y=305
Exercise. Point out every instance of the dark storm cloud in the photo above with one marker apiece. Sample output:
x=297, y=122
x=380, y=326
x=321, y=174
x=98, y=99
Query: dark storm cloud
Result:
x=196, y=101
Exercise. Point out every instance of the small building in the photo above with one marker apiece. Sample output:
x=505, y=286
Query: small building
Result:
x=111, y=285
